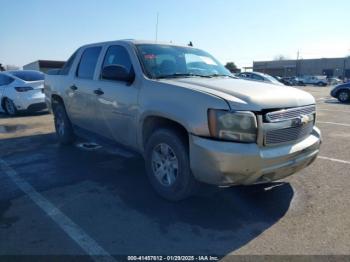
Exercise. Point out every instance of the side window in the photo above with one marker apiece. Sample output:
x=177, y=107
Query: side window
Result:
x=2, y=80
x=117, y=55
x=88, y=62
x=67, y=66
x=5, y=80
x=257, y=77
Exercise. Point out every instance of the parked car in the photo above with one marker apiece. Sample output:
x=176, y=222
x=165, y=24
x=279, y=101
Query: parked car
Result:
x=182, y=110
x=21, y=91
x=334, y=81
x=342, y=92
x=284, y=80
x=313, y=80
x=290, y=81
x=256, y=76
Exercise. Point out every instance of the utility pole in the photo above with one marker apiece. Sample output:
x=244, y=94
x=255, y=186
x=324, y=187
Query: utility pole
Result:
x=297, y=63
x=157, y=27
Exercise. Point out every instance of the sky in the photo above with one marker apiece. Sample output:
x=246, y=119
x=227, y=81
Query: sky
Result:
x=237, y=31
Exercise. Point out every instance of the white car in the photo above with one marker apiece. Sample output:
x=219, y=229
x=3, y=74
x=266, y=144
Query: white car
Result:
x=260, y=77
x=21, y=90
x=313, y=80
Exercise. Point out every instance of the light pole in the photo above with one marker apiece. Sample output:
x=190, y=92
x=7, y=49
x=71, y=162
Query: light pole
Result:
x=157, y=27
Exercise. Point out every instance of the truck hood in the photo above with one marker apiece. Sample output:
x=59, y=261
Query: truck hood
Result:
x=248, y=95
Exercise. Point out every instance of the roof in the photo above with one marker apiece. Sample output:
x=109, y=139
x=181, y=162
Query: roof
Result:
x=136, y=42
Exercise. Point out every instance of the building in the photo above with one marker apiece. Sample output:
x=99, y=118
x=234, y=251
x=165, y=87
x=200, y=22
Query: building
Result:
x=332, y=67
x=44, y=65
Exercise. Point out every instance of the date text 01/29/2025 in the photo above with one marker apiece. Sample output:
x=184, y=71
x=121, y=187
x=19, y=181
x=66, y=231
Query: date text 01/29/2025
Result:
x=172, y=258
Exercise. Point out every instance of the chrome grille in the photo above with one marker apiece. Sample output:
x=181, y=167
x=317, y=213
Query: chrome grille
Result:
x=288, y=114
x=288, y=134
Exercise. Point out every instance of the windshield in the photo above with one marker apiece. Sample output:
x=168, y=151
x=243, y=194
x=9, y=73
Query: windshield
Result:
x=163, y=61
x=28, y=75
x=271, y=79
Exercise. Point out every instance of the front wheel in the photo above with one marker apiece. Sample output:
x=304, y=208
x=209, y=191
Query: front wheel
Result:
x=344, y=96
x=63, y=126
x=168, y=165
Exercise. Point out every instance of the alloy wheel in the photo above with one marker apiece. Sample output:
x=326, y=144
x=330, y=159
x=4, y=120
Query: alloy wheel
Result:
x=343, y=96
x=10, y=107
x=165, y=165
x=60, y=126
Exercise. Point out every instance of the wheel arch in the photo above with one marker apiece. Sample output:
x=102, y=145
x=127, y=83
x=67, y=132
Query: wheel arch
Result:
x=153, y=122
x=347, y=89
x=56, y=99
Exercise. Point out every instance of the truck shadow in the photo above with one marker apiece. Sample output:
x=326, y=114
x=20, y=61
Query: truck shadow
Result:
x=215, y=221
x=24, y=114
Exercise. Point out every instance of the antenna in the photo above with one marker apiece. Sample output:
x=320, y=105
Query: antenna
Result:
x=157, y=27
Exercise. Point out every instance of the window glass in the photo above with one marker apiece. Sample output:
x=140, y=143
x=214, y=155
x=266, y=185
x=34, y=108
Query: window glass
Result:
x=67, y=66
x=88, y=62
x=3, y=80
x=257, y=77
x=117, y=55
x=28, y=75
x=161, y=61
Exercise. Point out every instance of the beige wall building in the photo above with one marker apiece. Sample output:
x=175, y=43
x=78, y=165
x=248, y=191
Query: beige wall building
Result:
x=44, y=65
x=332, y=67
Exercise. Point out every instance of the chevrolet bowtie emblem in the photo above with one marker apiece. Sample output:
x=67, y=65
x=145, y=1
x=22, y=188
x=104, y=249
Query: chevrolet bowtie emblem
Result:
x=303, y=120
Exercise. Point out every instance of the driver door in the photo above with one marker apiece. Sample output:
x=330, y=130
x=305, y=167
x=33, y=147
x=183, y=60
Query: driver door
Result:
x=116, y=104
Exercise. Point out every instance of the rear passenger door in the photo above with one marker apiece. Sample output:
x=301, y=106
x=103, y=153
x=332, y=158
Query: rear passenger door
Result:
x=81, y=90
x=116, y=106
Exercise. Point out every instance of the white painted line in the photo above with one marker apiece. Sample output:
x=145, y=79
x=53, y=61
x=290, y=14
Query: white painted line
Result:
x=332, y=110
x=76, y=233
x=334, y=160
x=322, y=98
x=333, y=123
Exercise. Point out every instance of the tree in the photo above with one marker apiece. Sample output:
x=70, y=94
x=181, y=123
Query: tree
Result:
x=2, y=68
x=280, y=58
x=231, y=66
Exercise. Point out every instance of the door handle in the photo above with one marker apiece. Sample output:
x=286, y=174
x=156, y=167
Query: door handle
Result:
x=98, y=92
x=74, y=88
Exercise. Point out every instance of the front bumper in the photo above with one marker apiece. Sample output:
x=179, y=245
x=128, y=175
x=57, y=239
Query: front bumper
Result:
x=226, y=163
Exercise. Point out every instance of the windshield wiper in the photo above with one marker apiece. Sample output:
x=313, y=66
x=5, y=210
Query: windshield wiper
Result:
x=221, y=75
x=181, y=75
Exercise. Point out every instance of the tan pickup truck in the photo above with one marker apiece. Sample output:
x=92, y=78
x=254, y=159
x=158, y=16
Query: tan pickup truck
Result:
x=189, y=118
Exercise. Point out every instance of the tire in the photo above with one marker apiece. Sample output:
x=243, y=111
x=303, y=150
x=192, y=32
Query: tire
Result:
x=10, y=107
x=168, y=154
x=321, y=84
x=343, y=96
x=63, y=126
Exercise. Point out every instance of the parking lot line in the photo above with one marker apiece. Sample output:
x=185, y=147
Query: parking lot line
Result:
x=334, y=160
x=332, y=110
x=333, y=123
x=76, y=233
x=322, y=98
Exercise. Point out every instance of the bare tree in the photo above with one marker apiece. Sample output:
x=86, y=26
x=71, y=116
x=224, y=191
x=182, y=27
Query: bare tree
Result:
x=280, y=58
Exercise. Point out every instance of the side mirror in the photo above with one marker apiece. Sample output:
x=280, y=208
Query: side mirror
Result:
x=118, y=73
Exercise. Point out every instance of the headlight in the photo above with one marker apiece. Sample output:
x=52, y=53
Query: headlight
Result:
x=237, y=126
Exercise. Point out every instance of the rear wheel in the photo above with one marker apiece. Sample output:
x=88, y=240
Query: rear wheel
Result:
x=168, y=166
x=63, y=126
x=344, y=96
x=10, y=107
